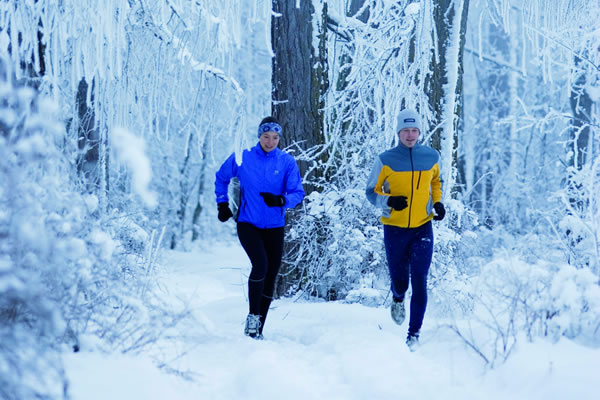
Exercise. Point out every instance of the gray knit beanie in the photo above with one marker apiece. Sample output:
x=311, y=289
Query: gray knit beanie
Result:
x=408, y=119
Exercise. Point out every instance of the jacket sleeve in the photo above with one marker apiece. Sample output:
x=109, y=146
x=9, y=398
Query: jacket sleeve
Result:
x=436, y=184
x=374, y=198
x=293, y=192
x=228, y=170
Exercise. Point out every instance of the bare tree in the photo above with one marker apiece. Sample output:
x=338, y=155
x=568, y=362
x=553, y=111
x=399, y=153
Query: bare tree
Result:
x=444, y=86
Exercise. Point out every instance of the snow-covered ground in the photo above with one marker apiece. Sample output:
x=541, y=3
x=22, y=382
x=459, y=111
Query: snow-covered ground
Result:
x=314, y=350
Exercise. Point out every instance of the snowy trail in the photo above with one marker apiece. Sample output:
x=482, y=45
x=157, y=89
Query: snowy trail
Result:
x=319, y=351
x=314, y=350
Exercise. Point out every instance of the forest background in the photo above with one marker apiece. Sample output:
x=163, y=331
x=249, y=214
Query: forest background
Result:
x=114, y=116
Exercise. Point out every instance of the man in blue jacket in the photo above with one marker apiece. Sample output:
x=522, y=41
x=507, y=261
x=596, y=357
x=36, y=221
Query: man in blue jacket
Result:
x=269, y=183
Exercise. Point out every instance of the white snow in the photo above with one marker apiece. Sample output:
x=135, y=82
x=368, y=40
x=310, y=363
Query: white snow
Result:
x=91, y=202
x=130, y=150
x=5, y=263
x=593, y=92
x=316, y=350
x=105, y=243
x=412, y=9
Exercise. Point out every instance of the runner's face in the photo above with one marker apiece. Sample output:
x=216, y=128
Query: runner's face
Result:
x=409, y=136
x=269, y=141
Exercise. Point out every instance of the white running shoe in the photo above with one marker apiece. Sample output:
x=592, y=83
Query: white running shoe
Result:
x=252, y=326
x=397, y=311
x=412, y=341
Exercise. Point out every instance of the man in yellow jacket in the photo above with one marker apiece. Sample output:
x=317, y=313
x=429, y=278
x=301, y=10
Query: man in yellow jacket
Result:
x=405, y=183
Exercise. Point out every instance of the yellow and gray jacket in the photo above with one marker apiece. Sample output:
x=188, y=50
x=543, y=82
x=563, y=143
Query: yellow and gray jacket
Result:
x=411, y=172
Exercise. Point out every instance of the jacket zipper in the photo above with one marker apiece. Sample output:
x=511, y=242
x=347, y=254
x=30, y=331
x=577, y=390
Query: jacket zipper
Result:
x=412, y=180
x=419, y=180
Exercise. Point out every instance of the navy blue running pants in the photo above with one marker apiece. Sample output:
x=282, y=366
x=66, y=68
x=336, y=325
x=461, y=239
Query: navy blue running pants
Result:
x=409, y=252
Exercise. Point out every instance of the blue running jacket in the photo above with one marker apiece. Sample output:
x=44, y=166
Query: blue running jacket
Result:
x=274, y=172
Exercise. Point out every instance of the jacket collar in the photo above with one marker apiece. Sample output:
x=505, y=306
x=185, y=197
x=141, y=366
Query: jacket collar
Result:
x=403, y=147
x=258, y=150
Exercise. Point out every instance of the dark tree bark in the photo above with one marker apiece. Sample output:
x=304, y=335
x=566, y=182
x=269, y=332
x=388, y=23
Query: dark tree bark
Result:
x=88, y=138
x=184, y=171
x=581, y=107
x=197, y=211
x=354, y=7
x=299, y=80
x=199, y=207
x=41, y=52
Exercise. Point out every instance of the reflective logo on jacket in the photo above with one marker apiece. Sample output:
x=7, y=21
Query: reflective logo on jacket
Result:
x=410, y=172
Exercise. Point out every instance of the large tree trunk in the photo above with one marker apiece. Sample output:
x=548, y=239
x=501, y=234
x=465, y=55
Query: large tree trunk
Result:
x=299, y=80
x=445, y=85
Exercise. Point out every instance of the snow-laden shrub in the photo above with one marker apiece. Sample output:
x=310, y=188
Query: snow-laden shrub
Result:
x=337, y=241
x=511, y=296
x=575, y=297
x=36, y=238
x=580, y=227
x=64, y=271
x=366, y=293
x=457, y=254
x=339, y=250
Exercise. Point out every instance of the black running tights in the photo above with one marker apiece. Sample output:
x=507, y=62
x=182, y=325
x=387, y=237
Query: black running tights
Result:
x=264, y=248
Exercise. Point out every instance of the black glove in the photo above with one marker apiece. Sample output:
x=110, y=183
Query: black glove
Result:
x=398, y=203
x=440, y=211
x=224, y=211
x=273, y=200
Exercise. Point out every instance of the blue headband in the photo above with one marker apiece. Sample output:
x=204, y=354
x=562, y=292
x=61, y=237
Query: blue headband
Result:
x=270, y=127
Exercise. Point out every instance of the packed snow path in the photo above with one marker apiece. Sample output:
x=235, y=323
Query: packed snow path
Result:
x=316, y=350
